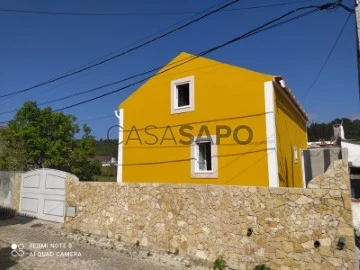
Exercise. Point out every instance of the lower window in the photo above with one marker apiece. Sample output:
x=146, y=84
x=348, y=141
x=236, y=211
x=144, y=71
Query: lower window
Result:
x=204, y=158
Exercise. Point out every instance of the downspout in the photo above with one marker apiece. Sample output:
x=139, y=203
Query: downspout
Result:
x=120, y=115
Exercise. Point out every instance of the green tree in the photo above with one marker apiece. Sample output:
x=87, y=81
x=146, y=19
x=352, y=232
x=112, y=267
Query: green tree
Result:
x=41, y=138
x=106, y=148
x=318, y=131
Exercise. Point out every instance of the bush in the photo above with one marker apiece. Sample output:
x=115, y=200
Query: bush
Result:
x=262, y=267
x=219, y=263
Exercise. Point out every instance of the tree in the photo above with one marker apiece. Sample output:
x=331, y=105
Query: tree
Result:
x=41, y=138
x=106, y=148
x=322, y=131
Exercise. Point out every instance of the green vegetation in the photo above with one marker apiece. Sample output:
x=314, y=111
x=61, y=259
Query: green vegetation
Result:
x=41, y=138
x=106, y=148
x=262, y=267
x=322, y=131
x=220, y=263
x=101, y=178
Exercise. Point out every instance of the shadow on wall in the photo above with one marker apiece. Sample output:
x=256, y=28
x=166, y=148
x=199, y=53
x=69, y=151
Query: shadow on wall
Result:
x=357, y=240
x=284, y=178
x=317, y=161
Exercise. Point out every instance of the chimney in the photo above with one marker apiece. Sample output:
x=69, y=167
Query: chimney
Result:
x=342, y=133
x=338, y=133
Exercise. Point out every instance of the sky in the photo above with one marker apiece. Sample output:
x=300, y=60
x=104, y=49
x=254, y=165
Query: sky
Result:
x=37, y=47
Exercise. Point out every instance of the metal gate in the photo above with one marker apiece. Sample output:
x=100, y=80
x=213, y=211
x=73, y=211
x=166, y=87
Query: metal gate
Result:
x=42, y=194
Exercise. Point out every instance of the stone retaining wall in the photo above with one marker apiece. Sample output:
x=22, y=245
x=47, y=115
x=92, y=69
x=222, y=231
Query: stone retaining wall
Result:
x=204, y=221
x=10, y=189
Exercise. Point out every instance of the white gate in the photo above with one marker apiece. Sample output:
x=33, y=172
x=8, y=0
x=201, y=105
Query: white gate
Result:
x=42, y=194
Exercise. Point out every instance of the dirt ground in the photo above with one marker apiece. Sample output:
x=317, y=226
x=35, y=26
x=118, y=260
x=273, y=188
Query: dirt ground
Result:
x=36, y=244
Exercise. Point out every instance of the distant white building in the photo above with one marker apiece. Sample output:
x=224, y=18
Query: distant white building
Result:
x=105, y=161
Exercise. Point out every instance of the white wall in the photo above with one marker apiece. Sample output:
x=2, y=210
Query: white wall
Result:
x=353, y=153
x=355, y=206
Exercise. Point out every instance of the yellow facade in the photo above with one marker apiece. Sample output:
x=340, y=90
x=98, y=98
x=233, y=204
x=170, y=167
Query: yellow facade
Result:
x=291, y=138
x=225, y=97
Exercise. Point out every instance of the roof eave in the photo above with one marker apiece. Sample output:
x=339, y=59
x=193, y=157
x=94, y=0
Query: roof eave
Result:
x=280, y=84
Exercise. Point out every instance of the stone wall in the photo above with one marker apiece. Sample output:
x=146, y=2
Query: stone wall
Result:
x=204, y=221
x=10, y=189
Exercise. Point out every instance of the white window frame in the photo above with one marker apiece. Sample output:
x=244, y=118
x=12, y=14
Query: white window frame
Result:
x=174, y=95
x=195, y=173
x=295, y=153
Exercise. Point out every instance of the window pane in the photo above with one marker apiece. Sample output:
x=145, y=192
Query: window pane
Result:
x=208, y=156
x=204, y=156
x=201, y=157
x=183, y=92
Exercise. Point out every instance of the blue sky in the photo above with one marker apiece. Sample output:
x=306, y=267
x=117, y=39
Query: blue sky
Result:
x=35, y=48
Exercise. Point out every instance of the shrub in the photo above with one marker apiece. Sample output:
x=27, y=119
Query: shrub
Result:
x=219, y=263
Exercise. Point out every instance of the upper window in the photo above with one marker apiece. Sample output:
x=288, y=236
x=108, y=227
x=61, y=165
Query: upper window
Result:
x=204, y=158
x=182, y=95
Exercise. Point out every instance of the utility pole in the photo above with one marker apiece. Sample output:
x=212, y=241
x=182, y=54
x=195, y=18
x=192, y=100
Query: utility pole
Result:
x=357, y=12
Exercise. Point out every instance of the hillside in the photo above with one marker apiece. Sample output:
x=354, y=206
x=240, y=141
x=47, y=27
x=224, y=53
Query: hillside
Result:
x=106, y=148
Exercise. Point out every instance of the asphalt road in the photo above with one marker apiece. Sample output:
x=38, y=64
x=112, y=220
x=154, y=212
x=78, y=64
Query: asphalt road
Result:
x=36, y=244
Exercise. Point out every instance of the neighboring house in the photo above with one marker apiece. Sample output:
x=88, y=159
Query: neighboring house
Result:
x=246, y=127
x=105, y=161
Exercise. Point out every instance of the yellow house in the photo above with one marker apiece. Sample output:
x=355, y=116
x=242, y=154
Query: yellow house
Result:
x=199, y=121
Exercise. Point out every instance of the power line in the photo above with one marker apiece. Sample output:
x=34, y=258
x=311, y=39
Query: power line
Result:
x=176, y=125
x=238, y=157
x=96, y=118
x=68, y=74
x=247, y=34
x=133, y=43
x=118, y=50
x=102, y=86
x=187, y=159
x=204, y=121
x=251, y=150
x=123, y=53
x=184, y=145
x=141, y=45
x=39, y=12
x=327, y=57
x=123, y=80
x=108, y=55
x=81, y=120
x=105, y=85
x=267, y=6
